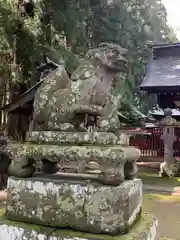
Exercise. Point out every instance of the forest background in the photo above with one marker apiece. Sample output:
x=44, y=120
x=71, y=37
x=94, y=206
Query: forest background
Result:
x=64, y=30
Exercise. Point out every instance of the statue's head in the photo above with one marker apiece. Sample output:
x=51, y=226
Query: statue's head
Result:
x=111, y=56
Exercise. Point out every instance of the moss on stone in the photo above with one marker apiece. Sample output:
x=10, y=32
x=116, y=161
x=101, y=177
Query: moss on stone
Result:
x=31, y=144
x=75, y=205
x=26, y=226
x=139, y=231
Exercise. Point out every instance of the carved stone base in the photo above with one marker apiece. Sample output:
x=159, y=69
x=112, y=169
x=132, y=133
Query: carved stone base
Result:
x=146, y=229
x=95, y=138
x=113, y=162
x=79, y=205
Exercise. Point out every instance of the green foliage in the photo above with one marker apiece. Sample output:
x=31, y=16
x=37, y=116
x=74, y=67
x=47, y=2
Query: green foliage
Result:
x=133, y=25
x=131, y=114
x=65, y=30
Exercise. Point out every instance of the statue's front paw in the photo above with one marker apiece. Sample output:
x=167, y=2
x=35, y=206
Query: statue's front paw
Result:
x=20, y=171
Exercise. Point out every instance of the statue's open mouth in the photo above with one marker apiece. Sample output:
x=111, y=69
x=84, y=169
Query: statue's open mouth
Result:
x=122, y=59
x=121, y=64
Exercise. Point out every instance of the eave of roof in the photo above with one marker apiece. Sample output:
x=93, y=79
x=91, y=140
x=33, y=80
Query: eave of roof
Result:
x=163, y=72
x=22, y=99
x=165, y=45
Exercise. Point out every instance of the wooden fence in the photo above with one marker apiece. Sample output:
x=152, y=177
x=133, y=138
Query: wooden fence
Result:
x=151, y=144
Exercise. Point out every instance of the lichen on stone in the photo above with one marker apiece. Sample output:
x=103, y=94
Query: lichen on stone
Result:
x=83, y=206
x=86, y=96
x=88, y=138
x=86, y=168
x=145, y=229
x=115, y=162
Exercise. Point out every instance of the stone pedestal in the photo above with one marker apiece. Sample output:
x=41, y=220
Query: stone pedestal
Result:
x=146, y=229
x=169, y=161
x=90, y=207
x=93, y=138
x=115, y=162
x=169, y=166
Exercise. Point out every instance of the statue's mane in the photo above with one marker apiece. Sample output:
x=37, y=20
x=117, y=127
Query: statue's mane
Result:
x=85, y=70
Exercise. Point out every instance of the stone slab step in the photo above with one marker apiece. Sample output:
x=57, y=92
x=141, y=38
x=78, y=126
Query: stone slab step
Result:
x=84, y=206
x=145, y=229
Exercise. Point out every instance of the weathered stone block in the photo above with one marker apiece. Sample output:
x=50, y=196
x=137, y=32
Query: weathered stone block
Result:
x=93, y=138
x=146, y=229
x=84, y=206
x=14, y=233
x=115, y=163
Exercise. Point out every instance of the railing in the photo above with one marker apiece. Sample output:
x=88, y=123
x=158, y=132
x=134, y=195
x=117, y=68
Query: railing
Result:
x=151, y=144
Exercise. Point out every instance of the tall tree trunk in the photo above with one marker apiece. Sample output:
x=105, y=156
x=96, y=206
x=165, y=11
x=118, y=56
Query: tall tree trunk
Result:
x=46, y=24
x=2, y=93
x=98, y=11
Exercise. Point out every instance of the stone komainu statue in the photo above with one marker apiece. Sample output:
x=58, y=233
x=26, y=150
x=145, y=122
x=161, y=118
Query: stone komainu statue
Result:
x=65, y=110
x=75, y=104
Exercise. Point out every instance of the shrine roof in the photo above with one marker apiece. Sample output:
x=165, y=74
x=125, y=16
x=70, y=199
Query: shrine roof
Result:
x=22, y=99
x=28, y=96
x=163, y=72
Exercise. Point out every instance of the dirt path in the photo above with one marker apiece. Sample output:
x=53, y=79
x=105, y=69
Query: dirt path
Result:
x=167, y=210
